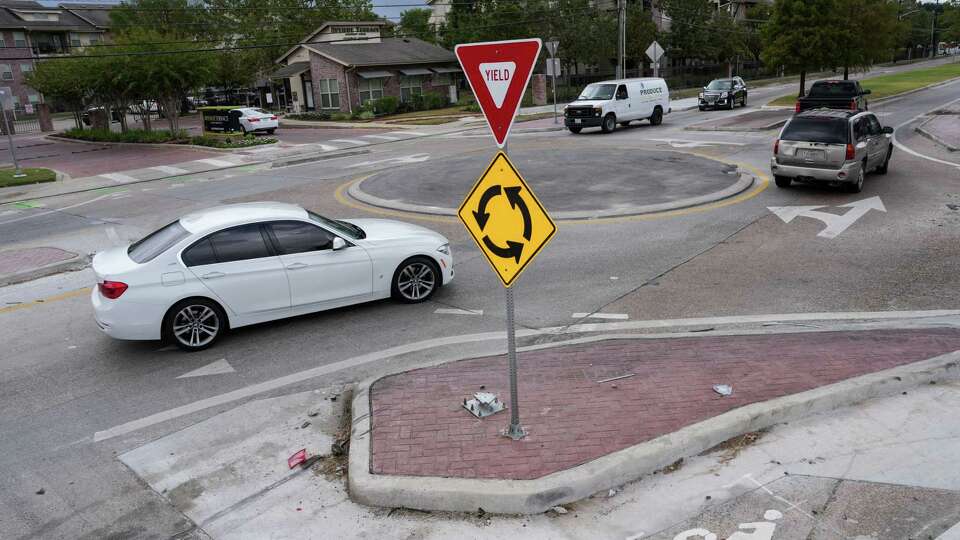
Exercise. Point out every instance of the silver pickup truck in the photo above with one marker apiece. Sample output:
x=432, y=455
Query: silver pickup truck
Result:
x=832, y=147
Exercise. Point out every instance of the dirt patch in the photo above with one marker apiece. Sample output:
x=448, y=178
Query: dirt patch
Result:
x=333, y=466
x=671, y=468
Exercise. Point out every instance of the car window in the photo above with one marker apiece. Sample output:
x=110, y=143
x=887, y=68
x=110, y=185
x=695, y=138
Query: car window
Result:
x=875, y=127
x=598, y=91
x=816, y=129
x=239, y=243
x=199, y=254
x=348, y=230
x=861, y=129
x=157, y=242
x=299, y=237
x=622, y=92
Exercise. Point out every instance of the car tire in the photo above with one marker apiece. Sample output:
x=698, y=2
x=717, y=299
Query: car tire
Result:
x=702, y=108
x=609, y=123
x=271, y=131
x=782, y=181
x=415, y=280
x=743, y=102
x=195, y=324
x=731, y=103
x=857, y=185
x=882, y=169
x=243, y=129
x=575, y=130
x=657, y=117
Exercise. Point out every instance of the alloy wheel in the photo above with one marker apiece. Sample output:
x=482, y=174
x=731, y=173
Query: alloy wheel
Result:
x=416, y=281
x=196, y=326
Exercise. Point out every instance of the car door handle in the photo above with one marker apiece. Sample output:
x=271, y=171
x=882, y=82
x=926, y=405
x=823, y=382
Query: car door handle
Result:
x=297, y=266
x=213, y=275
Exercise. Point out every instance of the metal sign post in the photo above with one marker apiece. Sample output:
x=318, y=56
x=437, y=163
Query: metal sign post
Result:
x=553, y=65
x=6, y=96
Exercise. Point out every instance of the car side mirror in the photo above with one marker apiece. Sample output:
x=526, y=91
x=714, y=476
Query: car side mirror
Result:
x=865, y=91
x=887, y=129
x=339, y=243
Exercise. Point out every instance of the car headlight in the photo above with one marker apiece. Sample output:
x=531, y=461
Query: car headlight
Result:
x=723, y=95
x=701, y=95
x=445, y=249
x=596, y=112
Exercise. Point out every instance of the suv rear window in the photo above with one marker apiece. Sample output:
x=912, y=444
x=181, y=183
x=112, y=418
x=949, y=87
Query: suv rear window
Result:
x=821, y=130
x=833, y=89
x=157, y=242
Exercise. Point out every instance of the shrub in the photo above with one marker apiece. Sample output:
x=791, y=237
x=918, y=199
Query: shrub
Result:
x=434, y=100
x=230, y=141
x=366, y=115
x=131, y=136
x=340, y=116
x=315, y=116
x=385, y=105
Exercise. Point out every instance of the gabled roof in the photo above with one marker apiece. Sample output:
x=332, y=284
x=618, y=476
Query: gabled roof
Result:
x=323, y=27
x=67, y=20
x=389, y=51
x=96, y=14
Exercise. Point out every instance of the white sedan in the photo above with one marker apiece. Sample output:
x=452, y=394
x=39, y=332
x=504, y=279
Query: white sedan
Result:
x=252, y=120
x=241, y=264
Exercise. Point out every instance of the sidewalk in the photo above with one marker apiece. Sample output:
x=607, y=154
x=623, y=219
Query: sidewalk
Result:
x=943, y=128
x=19, y=265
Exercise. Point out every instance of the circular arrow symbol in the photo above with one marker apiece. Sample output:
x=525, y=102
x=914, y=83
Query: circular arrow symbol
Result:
x=514, y=249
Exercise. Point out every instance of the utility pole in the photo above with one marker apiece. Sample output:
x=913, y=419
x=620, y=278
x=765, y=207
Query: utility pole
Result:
x=933, y=31
x=621, y=38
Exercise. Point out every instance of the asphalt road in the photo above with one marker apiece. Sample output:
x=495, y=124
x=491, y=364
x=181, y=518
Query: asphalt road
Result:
x=63, y=381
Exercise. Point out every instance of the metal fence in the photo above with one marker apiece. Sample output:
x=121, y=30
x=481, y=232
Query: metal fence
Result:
x=21, y=122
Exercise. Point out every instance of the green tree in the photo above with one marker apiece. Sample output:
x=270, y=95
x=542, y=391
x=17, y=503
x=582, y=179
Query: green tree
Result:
x=416, y=23
x=798, y=37
x=866, y=32
x=726, y=40
x=690, y=27
x=950, y=22
x=641, y=32
x=68, y=81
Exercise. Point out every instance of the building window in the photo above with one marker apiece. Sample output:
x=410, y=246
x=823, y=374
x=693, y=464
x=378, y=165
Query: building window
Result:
x=329, y=94
x=94, y=39
x=34, y=98
x=443, y=79
x=19, y=40
x=74, y=40
x=3, y=41
x=26, y=68
x=6, y=73
x=409, y=87
x=370, y=89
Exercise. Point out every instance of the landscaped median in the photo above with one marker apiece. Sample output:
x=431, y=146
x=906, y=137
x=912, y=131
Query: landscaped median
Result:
x=31, y=176
x=885, y=86
x=163, y=136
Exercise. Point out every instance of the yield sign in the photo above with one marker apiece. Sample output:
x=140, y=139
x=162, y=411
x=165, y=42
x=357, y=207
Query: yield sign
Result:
x=498, y=73
x=505, y=219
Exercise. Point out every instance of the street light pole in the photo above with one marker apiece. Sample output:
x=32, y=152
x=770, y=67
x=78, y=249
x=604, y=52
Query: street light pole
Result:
x=933, y=31
x=621, y=37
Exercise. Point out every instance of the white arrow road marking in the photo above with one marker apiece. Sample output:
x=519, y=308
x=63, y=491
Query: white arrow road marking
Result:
x=685, y=143
x=611, y=316
x=836, y=224
x=454, y=311
x=217, y=368
x=351, y=141
x=327, y=148
x=414, y=158
x=113, y=236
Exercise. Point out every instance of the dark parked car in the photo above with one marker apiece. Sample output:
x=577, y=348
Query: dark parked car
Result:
x=115, y=115
x=827, y=146
x=834, y=95
x=725, y=93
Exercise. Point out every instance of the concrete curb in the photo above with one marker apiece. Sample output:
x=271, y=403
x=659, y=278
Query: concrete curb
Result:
x=78, y=262
x=744, y=182
x=536, y=496
x=933, y=136
x=298, y=160
x=765, y=127
x=342, y=125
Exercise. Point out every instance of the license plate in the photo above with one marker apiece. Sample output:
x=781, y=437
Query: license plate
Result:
x=578, y=121
x=810, y=154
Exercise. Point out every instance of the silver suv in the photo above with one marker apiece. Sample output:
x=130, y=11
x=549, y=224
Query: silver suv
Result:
x=831, y=147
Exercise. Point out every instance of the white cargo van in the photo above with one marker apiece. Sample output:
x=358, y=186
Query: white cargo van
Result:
x=608, y=103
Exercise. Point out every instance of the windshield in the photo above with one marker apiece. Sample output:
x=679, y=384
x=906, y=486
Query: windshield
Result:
x=343, y=228
x=157, y=242
x=598, y=91
x=822, y=130
x=833, y=89
x=720, y=85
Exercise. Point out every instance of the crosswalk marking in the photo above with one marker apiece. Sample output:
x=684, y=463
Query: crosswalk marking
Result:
x=217, y=162
x=350, y=141
x=611, y=316
x=455, y=311
x=414, y=133
x=327, y=148
x=169, y=170
x=384, y=137
x=119, y=178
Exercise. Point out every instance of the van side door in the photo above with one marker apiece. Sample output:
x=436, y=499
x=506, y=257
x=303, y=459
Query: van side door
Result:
x=621, y=103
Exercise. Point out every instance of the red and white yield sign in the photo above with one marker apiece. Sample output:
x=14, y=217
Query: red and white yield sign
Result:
x=498, y=73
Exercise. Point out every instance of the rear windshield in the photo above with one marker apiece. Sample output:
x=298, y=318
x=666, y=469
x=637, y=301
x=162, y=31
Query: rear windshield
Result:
x=822, y=130
x=157, y=242
x=833, y=89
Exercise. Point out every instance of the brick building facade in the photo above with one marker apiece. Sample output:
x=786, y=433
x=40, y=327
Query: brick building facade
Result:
x=343, y=64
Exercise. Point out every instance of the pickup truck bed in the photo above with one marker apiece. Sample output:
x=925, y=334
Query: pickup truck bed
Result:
x=834, y=95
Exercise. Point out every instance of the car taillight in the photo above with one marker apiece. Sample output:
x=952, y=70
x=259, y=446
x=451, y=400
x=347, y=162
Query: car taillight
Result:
x=851, y=152
x=796, y=107
x=273, y=117
x=853, y=104
x=776, y=147
x=254, y=119
x=112, y=289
